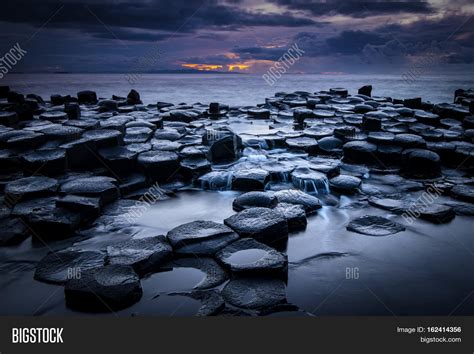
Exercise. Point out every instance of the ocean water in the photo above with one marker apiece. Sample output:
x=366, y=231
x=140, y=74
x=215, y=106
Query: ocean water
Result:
x=235, y=89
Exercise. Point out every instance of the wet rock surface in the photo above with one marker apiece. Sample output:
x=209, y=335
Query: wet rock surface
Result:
x=254, y=199
x=105, y=289
x=214, y=273
x=200, y=237
x=249, y=256
x=254, y=293
x=374, y=226
x=310, y=203
x=79, y=175
x=58, y=267
x=263, y=224
x=144, y=255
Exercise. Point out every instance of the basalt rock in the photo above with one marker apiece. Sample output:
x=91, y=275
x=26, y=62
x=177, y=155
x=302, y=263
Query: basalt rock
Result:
x=59, y=267
x=374, y=226
x=359, y=152
x=291, y=196
x=345, y=184
x=365, y=90
x=29, y=188
x=421, y=163
x=263, y=224
x=254, y=199
x=294, y=214
x=104, y=188
x=103, y=289
x=159, y=165
x=144, y=254
x=250, y=180
x=254, y=293
x=247, y=256
x=12, y=231
x=87, y=97
x=200, y=237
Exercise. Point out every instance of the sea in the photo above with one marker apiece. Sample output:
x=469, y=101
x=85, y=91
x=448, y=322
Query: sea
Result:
x=236, y=89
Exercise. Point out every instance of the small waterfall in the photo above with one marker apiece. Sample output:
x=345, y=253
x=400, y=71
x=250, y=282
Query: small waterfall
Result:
x=255, y=155
x=319, y=186
x=228, y=185
x=216, y=181
x=310, y=181
x=278, y=176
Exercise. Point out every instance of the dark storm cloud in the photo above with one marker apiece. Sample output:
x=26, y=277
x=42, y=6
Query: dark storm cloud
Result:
x=209, y=59
x=453, y=36
x=458, y=27
x=131, y=35
x=354, y=8
x=260, y=53
x=352, y=42
x=159, y=15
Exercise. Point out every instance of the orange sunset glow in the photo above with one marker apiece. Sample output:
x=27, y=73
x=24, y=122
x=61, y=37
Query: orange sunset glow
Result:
x=202, y=67
x=244, y=65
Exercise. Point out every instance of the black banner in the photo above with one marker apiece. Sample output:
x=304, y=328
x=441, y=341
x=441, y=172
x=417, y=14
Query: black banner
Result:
x=171, y=335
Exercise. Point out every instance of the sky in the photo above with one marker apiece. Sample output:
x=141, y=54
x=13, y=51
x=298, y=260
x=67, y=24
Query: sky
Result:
x=246, y=36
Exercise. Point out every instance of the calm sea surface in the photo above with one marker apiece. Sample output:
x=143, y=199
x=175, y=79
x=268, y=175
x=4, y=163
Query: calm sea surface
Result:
x=233, y=89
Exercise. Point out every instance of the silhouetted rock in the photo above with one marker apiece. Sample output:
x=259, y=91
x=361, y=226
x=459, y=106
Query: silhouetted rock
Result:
x=4, y=90
x=73, y=110
x=133, y=97
x=414, y=103
x=56, y=100
x=107, y=106
x=88, y=97
x=365, y=90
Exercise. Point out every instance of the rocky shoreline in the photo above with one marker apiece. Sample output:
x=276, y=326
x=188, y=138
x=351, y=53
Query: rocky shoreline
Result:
x=74, y=168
